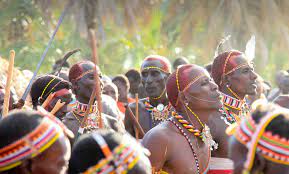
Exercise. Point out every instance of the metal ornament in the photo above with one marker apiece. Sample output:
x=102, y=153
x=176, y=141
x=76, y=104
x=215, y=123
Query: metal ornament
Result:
x=160, y=107
x=207, y=138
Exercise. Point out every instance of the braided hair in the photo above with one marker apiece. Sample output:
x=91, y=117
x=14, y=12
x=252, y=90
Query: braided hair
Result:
x=44, y=85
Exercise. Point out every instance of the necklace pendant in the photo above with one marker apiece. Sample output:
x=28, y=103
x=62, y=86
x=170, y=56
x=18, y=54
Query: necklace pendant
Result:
x=207, y=138
x=160, y=107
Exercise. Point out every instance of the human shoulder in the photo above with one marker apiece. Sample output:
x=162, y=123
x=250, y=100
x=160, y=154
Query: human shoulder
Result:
x=160, y=134
x=141, y=103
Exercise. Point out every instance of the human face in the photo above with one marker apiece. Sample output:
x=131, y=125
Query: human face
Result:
x=122, y=90
x=110, y=91
x=243, y=80
x=85, y=85
x=204, y=93
x=134, y=84
x=66, y=98
x=54, y=160
x=153, y=80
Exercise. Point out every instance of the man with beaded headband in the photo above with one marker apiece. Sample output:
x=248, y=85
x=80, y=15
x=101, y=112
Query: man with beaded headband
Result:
x=183, y=143
x=260, y=143
x=154, y=109
x=82, y=78
x=235, y=76
x=33, y=142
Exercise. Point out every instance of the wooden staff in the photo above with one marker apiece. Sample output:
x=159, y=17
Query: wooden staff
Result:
x=136, y=116
x=57, y=106
x=48, y=100
x=8, y=83
x=97, y=91
x=135, y=122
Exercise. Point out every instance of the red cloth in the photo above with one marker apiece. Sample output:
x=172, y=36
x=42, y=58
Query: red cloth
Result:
x=121, y=105
x=220, y=172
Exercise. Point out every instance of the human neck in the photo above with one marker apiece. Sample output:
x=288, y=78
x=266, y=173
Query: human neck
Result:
x=202, y=114
x=226, y=90
x=164, y=100
x=82, y=99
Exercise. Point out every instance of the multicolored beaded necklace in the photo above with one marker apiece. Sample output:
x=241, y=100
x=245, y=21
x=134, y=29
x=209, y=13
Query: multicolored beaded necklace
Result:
x=92, y=119
x=228, y=116
x=158, y=114
x=191, y=129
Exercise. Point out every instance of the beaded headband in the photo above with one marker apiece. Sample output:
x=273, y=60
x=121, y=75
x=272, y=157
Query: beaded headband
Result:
x=83, y=74
x=253, y=136
x=154, y=67
x=194, y=80
x=119, y=161
x=234, y=69
x=32, y=144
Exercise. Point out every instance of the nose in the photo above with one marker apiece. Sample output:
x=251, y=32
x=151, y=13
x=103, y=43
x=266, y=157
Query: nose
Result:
x=149, y=79
x=254, y=75
x=214, y=86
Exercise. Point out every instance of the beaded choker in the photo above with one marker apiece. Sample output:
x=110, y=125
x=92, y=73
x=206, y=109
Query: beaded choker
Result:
x=34, y=143
x=232, y=102
x=272, y=147
x=119, y=161
x=81, y=108
x=159, y=113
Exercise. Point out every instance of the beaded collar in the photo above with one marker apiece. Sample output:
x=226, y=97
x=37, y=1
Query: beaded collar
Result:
x=191, y=129
x=34, y=143
x=92, y=119
x=272, y=147
x=157, y=114
x=81, y=108
x=119, y=161
x=228, y=116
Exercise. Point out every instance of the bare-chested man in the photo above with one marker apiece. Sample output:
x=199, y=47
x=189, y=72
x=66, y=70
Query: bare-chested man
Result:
x=183, y=144
x=155, y=108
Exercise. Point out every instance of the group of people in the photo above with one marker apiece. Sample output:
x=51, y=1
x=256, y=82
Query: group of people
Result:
x=215, y=119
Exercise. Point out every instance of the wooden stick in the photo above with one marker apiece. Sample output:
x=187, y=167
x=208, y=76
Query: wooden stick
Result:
x=8, y=84
x=135, y=122
x=47, y=100
x=97, y=91
x=136, y=116
x=57, y=106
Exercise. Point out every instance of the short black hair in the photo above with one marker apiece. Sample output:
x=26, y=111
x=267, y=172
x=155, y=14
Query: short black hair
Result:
x=86, y=152
x=179, y=61
x=41, y=82
x=134, y=74
x=123, y=79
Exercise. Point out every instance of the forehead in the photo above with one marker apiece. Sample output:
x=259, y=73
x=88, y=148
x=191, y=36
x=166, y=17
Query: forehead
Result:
x=155, y=63
x=238, y=60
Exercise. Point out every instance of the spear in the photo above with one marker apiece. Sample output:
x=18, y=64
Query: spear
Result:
x=8, y=84
x=21, y=101
x=136, y=115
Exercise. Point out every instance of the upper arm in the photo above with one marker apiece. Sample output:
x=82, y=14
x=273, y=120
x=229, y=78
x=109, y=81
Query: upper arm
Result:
x=127, y=121
x=157, y=143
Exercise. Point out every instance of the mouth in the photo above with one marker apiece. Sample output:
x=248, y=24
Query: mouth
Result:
x=216, y=95
x=150, y=89
x=254, y=85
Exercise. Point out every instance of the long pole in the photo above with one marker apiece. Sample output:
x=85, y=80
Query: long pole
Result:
x=8, y=84
x=137, y=116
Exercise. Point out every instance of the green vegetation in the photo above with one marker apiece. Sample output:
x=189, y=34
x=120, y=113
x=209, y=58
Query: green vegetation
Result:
x=129, y=30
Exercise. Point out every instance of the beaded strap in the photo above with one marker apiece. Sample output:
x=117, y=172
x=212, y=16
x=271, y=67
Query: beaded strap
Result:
x=190, y=143
x=80, y=109
x=154, y=67
x=187, y=125
x=154, y=113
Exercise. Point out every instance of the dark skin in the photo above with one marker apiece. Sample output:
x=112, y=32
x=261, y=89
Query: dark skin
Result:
x=154, y=82
x=122, y=91
x=176, y=156
x=83, y=89
x=238, y=153
x=282, y=100
x=57, y=156
x=242, y=81
x=134, y=85
x=2, y=93
x=111, y=91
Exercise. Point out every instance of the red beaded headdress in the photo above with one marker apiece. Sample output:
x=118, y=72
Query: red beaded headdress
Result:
x=272, y=147
x=34, y=143
x=165, y=63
